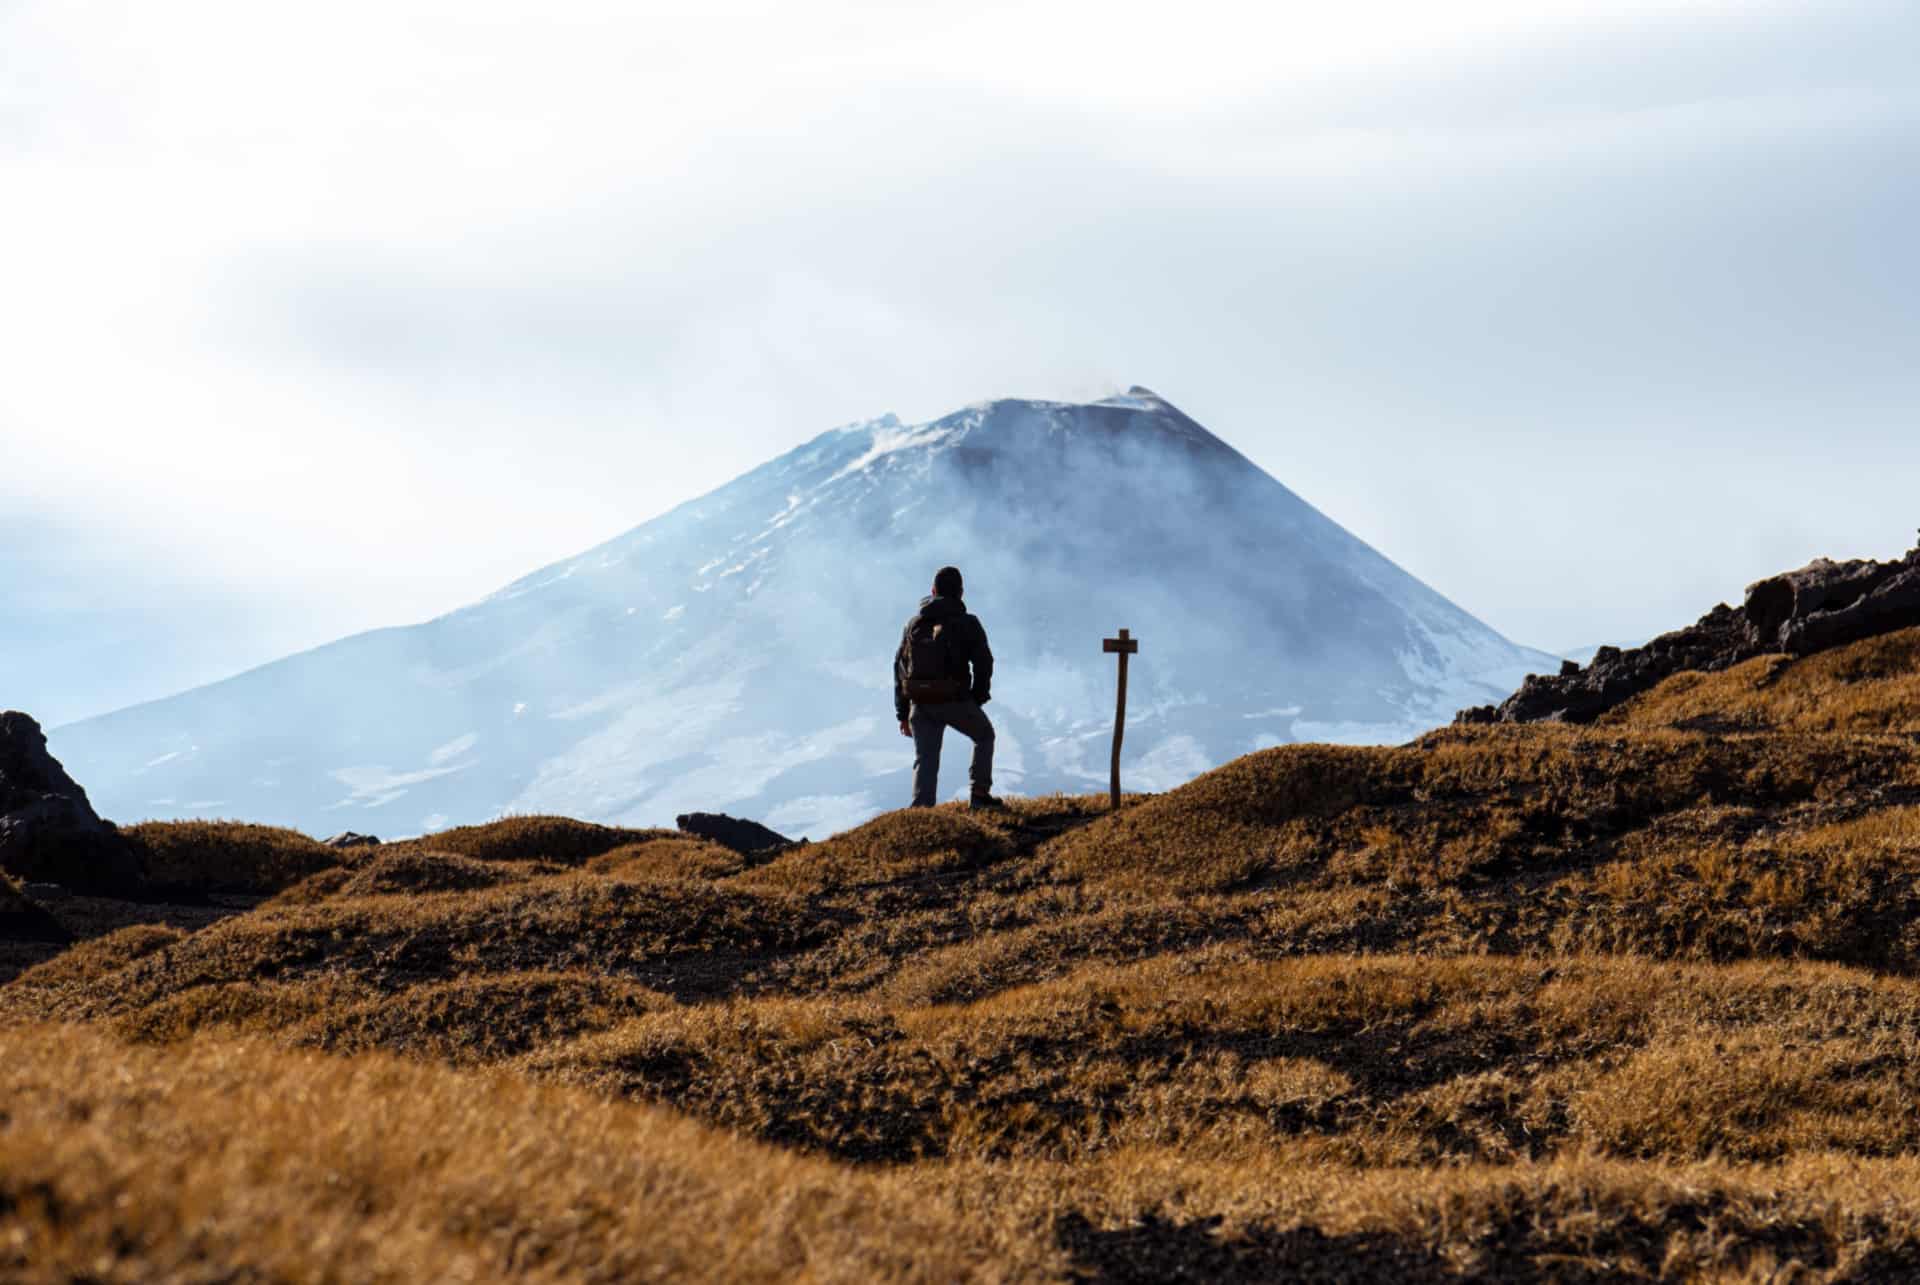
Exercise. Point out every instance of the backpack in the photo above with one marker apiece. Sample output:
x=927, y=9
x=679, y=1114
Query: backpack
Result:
x=934, y=673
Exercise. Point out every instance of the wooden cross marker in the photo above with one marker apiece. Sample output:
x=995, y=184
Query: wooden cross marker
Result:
x=1124, y=646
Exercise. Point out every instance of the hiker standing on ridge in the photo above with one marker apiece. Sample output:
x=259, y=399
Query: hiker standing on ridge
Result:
x=932, y=690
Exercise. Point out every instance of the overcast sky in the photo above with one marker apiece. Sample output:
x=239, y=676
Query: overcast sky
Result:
x=321, y=317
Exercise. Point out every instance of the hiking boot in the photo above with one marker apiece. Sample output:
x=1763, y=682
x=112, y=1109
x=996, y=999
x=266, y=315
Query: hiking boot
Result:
x=986, y=803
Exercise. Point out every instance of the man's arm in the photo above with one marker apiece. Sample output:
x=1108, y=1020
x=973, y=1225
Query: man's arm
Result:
x=900, y=701
x=982, y=664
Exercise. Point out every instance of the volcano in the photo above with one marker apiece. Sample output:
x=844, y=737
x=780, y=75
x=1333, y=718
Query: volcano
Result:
x=735, y=653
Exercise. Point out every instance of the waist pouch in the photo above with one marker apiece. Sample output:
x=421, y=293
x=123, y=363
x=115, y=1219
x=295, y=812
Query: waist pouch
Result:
x=937, y=691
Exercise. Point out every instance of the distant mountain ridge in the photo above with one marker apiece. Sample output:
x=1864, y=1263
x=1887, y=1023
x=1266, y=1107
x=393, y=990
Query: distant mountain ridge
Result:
x=734, y=652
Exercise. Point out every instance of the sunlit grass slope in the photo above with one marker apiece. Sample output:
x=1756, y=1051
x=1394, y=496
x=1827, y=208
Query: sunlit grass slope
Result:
x=1523, y=1001
x=1871, y=686
x=218, y=1161
x=233, y=1160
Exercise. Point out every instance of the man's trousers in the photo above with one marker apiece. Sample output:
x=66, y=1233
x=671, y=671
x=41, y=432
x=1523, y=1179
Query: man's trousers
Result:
x=929, y=724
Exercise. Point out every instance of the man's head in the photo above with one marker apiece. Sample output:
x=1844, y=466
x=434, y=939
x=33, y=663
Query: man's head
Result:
x=947, y=583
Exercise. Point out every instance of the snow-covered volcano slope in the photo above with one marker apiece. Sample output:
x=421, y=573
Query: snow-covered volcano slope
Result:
x=735, y=653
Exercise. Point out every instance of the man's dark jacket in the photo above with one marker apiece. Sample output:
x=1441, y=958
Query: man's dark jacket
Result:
x=969, y=640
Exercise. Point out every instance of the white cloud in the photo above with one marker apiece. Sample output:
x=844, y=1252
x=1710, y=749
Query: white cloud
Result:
x=377, y=306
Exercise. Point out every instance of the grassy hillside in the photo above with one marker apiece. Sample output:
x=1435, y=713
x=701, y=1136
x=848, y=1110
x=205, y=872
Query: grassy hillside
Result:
x=1641, y=998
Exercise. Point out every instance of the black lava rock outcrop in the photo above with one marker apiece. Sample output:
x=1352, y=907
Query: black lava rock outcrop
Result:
x=1823, y=604
x=352, y=839
x=48, y=830
x=749, y=838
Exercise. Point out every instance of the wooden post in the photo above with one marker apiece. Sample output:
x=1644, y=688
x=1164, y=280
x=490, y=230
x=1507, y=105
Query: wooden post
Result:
x=1123, y=646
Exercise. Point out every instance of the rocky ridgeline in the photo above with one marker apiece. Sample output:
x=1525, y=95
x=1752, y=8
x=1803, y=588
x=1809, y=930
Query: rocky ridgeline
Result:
x=1823, y=604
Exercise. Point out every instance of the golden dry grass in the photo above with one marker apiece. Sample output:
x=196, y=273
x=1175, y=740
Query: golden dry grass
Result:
x=1634, y=1000
x=677, y=857
x=418, y=870
x=232, y=1160
x=1869, y=687
x=538, y=838
x=1388, y=1060
x=221, y=1161
x=226, y=856
x=689, y=935
x=85, y=964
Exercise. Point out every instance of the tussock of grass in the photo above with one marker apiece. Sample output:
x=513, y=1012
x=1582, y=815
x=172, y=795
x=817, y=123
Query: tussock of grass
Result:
x=467, y=1022
x=1044, y=948
x=268, y=1165
x=315, y=887
x=689, y=932
x=1232, y=824
x=1162, y=1214
x=228, y=1006
x=1459, y=803
x=1367, y=1061
x=483, y=1019
x=673, y=858
x=1872, y=686
x=1845, y=890
x=560, y=840
x=226, y=856
x=911, y=842
x=429, y=871
x=63, y=986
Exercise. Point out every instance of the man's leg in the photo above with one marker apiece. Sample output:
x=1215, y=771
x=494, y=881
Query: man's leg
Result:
x=928, y=731
x=972, y=722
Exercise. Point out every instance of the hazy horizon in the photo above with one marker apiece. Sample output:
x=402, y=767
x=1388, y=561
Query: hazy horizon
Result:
x=1586, y=316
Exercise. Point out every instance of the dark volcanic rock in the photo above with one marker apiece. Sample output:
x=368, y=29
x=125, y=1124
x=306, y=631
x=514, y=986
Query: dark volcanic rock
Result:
x=351, y=839
x=1823, y=604
x=1826, y=604
x=745, y=837
x=48, y=830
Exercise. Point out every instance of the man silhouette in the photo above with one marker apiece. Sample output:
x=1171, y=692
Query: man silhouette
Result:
x=933, y=690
